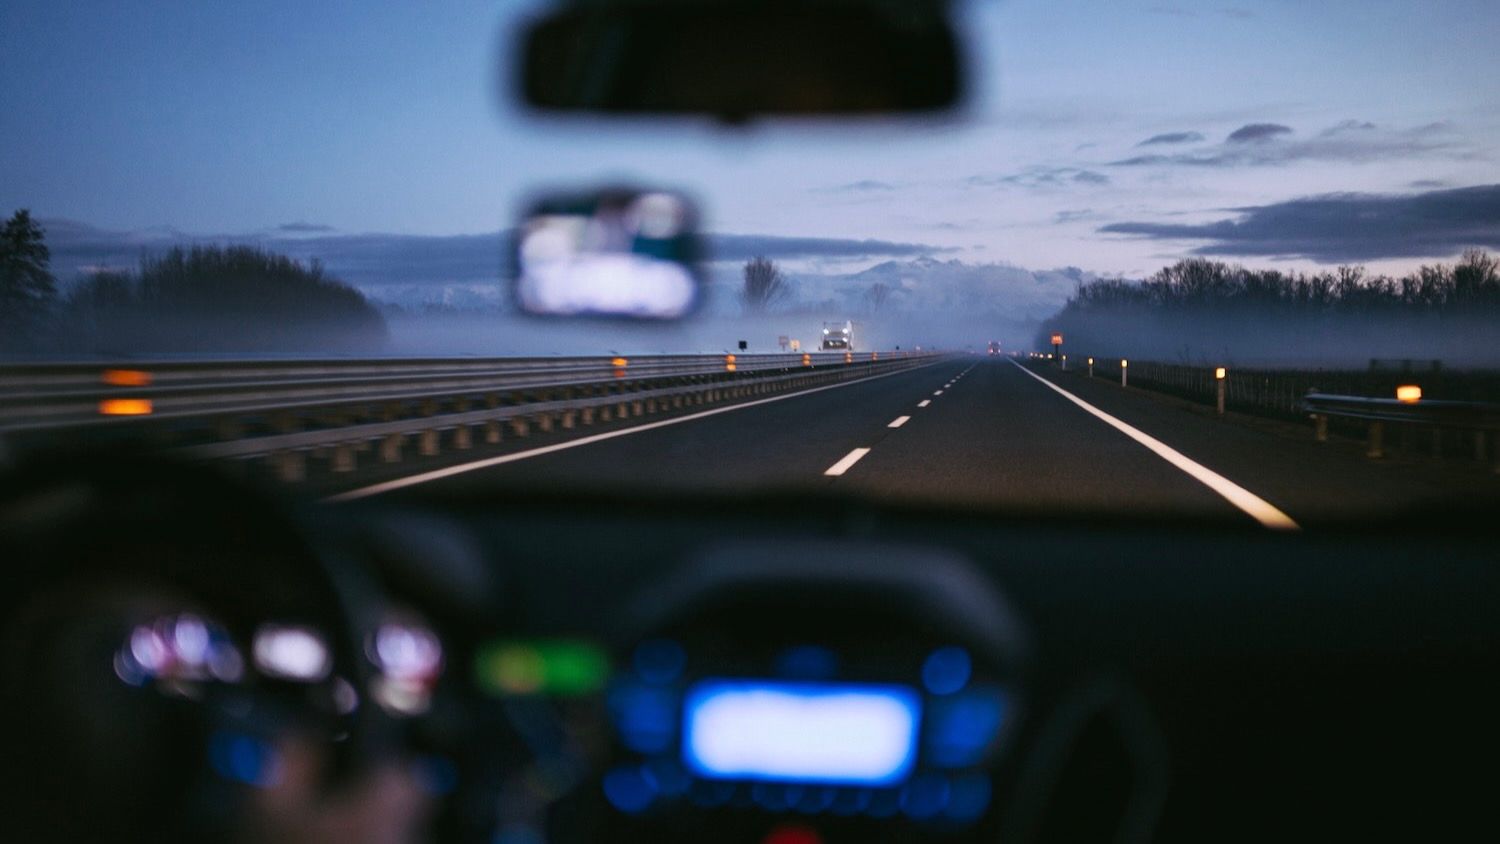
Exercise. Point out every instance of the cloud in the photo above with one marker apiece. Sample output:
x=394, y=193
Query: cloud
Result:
x=304, y=228
x=1428, y=184
x=1346, y=227
x=1348, y=126
x=1269, y=144
x=1076, y=215
x=1257, y=133
x=861, y=186
x=740, y=247
x=1172, y=138
x=1039, y=177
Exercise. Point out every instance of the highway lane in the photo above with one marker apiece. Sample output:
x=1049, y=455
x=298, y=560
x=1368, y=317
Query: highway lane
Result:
x=976, y=433
x=965, y=431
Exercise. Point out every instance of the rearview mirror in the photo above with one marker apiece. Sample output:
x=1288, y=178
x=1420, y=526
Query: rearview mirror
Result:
x=617, y=252
x=737, y=59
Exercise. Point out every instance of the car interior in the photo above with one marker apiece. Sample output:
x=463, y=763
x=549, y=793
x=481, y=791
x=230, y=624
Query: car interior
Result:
x=193, y=653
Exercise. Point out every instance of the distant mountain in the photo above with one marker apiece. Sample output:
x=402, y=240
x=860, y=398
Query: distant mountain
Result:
x=930, y=286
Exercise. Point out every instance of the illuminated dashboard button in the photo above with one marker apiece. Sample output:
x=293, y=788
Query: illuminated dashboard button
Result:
x=947, y=670
x=850, y=802
x=628, y=790
x=925, y=797
x=961, y=727
x=644, y=716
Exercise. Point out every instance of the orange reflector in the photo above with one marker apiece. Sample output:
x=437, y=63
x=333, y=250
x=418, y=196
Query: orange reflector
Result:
x=620, y=362
x=1219, y=373
x=807, y=360
x=1409, y=393
x=125, y=407
x=125, y=378
x=848, y=357
x=729, y=367
x=874, y=356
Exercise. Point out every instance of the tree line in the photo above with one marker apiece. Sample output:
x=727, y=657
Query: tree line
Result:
x=194, y=299
x=1201, y=306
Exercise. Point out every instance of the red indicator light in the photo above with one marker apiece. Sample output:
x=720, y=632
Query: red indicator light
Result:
x=792, y=834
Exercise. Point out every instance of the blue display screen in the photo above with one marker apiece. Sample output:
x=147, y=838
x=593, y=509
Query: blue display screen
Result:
x=824, y=733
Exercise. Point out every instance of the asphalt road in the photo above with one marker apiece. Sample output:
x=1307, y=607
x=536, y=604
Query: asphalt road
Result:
x=977, y=432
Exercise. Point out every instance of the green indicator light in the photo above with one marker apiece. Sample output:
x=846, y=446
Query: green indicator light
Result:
x=558, y=667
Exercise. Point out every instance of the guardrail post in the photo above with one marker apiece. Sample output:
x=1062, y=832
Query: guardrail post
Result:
x=492, y=431
x=390, y=448
x=1320, y=427
x=463, y=437
x=343, y=458
x=519, y=427
x=291, y=466
x=427, y=443
x=1376, y=444
x=569, y=418
x=544, y=423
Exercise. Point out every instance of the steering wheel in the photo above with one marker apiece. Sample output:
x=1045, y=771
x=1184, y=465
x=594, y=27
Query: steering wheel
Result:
x=169, y=635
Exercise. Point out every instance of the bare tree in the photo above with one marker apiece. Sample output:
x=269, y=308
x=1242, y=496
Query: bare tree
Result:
x=877, y=295
x=764, y=284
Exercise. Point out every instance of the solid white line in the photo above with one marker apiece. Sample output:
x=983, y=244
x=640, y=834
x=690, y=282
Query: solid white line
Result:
x=899, y=421
x=850, y=459
x=1257, y=507
x=924, y=402
x=438, y=474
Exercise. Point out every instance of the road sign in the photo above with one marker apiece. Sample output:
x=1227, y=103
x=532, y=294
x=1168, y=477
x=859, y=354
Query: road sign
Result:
x=1057, y=338
x=796, y=345
x=783, y=341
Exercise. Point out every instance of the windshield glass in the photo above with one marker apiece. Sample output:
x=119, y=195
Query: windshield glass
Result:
x=1228, y=260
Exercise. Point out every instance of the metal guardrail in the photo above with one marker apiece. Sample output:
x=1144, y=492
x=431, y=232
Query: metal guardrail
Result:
x=67, y=395
x=1480, y=419
x=286, y=411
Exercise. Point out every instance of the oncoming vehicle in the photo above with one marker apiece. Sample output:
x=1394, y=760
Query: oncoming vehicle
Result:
x=838, y=336
x=337, y=507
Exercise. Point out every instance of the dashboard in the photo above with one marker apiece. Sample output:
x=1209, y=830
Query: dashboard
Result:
x=776, y=669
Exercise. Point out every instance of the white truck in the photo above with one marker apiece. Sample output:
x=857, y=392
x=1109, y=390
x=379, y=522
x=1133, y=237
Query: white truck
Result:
x=838, y=336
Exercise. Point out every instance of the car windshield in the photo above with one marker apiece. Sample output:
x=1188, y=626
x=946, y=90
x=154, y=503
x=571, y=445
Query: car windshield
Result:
x=1222, y=260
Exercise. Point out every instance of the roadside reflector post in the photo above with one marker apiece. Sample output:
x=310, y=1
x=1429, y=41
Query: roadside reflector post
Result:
x=1320, y=427
x=1219, y=379
x=1124, y=364
x=1376, y=444
x=1064, y=359
x=1408, y=394
x=1091, y=367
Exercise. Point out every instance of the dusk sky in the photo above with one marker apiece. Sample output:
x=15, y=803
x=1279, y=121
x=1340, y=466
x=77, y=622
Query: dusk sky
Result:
x=1103, y=134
